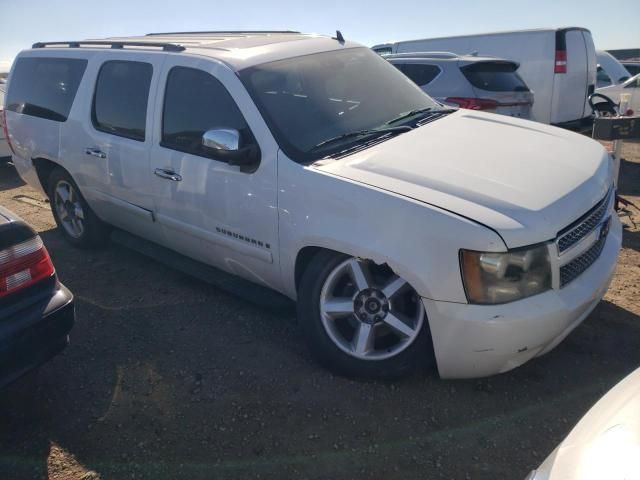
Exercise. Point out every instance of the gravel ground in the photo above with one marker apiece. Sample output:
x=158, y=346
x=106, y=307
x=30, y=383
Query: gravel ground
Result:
x=168, y=378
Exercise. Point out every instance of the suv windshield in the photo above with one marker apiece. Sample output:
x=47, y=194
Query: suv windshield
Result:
x=314, y=98
x=495, y=77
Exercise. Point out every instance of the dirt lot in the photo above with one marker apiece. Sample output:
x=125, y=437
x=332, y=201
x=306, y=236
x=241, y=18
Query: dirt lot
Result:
x=168, y=378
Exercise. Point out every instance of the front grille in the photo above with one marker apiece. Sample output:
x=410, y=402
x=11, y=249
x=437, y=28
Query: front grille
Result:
x=578, y=265
x=583, y=226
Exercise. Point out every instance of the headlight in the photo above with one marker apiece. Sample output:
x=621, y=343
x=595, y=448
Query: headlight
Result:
x=491, y=278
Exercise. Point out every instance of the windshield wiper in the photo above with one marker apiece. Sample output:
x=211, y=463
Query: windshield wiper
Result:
x=361, y=133
x=408, y=114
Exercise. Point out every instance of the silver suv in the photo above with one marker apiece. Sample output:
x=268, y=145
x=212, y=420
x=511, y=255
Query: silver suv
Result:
x=468, y=81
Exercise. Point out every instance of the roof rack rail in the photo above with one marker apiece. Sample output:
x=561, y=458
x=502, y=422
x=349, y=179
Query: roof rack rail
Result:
x=232, y=32
x=427, y=54
x=167, y=47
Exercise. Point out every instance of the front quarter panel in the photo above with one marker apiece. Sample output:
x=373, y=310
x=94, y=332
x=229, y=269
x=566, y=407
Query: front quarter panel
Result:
x=419, y=242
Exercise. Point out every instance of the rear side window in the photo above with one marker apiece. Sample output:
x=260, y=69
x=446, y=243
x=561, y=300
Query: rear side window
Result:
x=121, y=97
x=45, y=87
x=421, y=74
x=195, y=102
x=383, y=50
x=495, y=77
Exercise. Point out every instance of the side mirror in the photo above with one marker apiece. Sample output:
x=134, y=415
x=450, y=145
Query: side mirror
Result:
x=225, y=139
x=224, y=144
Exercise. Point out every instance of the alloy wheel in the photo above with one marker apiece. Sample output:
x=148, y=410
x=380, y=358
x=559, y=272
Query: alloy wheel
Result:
x=369, y=312
x=69, y=209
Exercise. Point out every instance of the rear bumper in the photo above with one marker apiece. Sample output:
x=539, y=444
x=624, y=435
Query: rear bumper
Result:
x=33, y=335
x=482, y=340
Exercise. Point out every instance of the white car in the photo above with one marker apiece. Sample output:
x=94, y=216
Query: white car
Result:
x=610, y=70
x=311, y=165
x=605, y=444
x=631, y=86
x=557, y=64
x=468, y=81
x=5, y=151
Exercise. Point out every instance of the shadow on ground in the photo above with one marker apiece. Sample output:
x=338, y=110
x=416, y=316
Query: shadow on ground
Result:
x=9, y=178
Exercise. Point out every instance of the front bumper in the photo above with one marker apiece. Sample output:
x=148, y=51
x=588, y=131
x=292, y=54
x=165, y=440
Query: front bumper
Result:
x=481, y=340
x=31, y=336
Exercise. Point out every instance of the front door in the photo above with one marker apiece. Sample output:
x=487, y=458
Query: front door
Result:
x=208, y=209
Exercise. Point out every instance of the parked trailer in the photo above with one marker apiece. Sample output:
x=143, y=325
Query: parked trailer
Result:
x=559, y=65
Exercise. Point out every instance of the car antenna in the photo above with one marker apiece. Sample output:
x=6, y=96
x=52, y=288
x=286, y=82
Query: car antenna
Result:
x=339, y=37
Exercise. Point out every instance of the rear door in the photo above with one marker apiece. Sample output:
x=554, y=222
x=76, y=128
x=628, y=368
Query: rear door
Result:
x=570, y=89
x=592, y=69
x=113, y=143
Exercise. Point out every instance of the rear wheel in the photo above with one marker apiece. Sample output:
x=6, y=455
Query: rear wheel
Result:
x=75, y=219
x=361, y=319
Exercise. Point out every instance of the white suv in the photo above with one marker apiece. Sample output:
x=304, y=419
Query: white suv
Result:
x=468, y=81
x=311, y=165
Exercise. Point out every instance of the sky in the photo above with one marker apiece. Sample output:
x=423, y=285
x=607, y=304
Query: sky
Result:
x=613, y=23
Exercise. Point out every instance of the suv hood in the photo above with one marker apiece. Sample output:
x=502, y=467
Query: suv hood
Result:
x=525, y=180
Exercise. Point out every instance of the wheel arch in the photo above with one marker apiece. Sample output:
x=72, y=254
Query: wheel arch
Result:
x=44, y=167
x=306, y=253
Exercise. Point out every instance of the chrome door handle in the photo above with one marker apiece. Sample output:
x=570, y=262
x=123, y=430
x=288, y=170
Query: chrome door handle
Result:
x=168, y=174
x=94, y=152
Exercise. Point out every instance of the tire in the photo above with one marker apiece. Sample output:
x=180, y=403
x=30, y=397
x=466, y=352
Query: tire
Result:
x=327, y=322
x=76, y=221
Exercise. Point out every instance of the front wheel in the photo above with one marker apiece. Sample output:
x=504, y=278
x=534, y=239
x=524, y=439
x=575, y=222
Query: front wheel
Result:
x=75, y=219
x=361, y=319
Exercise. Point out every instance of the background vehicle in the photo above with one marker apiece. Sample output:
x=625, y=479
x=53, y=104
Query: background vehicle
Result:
x=5, y=150
x=467, y=81
x=558, y=65
x=632, y=67
x=610, y=70
x=605, y=443
x=36, y=310
x=631, y=86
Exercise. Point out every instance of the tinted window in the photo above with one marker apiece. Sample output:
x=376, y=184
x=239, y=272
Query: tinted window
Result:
x=45, y=87
x=195, y=102
x=495, y=77
x=312, y=99
x=632, y=68
x=602, y=78
x=120, y=100
x=421, y=74
x=383, y=50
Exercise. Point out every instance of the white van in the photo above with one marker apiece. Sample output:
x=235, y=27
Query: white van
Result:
x=402, y=228
x=558, y=65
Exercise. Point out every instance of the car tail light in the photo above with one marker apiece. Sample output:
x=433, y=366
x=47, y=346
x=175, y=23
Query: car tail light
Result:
x=561, y=62
x=473, y=103
x=3, y=120
x=24, y=264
